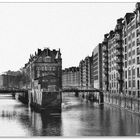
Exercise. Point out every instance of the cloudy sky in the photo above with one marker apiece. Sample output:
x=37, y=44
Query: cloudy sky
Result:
x=75, y=28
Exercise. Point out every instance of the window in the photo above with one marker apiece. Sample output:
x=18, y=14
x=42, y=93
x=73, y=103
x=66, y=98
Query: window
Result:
x=133, y=60
x=138, y=85
x=125, y=74
x=133, y=72
x=137, y=72
x=47, y=59
x=43, y=68
x=138, y=60
x=129, y=72
x=133, y=84
x=129, y=37
x=133, y=52
x=54, y=68
x=125, y=85
x=125, y=56
x=138, y=51
x=133, y=34
x=133, y=43
x=129, y=46
x=129, y=62
x=125, y=41
x=129, y=54
x=38, y=73
x=125, y=64
x=137, y=32
x=129, y=83
x=125, y=48
x=138, y=42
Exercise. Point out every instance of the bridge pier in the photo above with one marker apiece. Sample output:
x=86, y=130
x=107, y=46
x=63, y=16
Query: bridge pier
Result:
x=101, y=97
x=23, y=97
x=13, y=95
x=76, y=93
x=29, y=98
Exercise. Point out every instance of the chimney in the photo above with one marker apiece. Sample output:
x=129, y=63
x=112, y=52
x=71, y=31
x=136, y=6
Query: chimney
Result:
x=39, y=51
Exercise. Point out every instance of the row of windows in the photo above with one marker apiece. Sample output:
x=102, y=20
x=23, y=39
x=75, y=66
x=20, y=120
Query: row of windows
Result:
x=132, y=84
x=45, y=59
x=132, y=61
x=113, y=84
x=46, y=68
x=132, y=45
x=113, y=76
x=131, y=36
x=132, y=72
x=132, y=53
x=40, y=74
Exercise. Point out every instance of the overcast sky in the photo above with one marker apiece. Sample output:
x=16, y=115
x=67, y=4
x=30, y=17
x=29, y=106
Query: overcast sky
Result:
x=75, y=28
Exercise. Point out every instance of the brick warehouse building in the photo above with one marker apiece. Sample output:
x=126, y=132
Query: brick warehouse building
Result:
x=45, y=72
x=85, y=67
x=96, y=71
x=121, y=62
x=70, y=77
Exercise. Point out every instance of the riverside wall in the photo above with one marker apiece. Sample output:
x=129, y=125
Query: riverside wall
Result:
x=129, y=103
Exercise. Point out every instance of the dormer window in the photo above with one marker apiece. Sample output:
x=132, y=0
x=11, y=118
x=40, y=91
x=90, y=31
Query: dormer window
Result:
x=47, y=59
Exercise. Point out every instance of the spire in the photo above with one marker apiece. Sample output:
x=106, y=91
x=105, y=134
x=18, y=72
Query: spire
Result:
x=57, y=55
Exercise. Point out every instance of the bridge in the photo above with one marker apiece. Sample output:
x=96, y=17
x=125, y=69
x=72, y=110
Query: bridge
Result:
x=74, y=89
x=64, y=89
x=12, y=90
x=88, y=93
x=91, y=94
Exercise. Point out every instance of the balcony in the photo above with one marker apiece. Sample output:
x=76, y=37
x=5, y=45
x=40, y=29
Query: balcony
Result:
x=119, y=80
x=119, y=54
x=119, y=41
x=105, y=61
x=105, y=55
x=105, y=70
x=119, y=61
x=105, y=73
x=105, y=50
x=119, y=68
x=119, y=47
x=104, y=47
x=106, y=82
x=105, y=66
x=105, y=78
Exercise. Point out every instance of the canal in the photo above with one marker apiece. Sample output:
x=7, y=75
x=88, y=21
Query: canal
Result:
x=78, y=118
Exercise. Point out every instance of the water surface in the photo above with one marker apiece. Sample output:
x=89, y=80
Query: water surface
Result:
x=78, y=118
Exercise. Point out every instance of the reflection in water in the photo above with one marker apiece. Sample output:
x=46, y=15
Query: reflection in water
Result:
x=51, y=125
x=78, y=118
x=45, y=125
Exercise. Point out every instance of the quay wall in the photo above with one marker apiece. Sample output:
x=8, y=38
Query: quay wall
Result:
x=129, y=103
x=91, y=96
x=23, y=97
